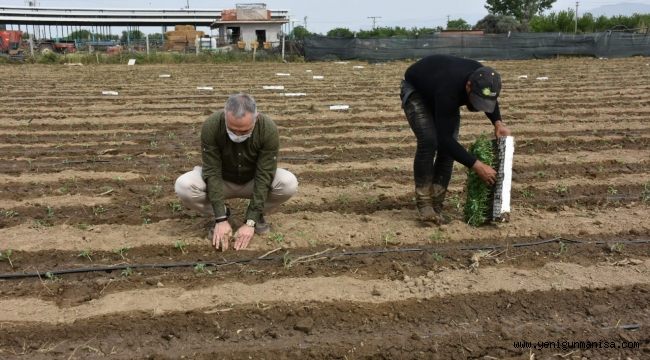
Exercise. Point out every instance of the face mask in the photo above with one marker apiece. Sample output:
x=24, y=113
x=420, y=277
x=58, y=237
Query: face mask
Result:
x=238, y=138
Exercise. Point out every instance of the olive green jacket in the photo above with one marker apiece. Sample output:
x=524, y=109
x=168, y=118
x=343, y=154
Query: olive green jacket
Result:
x=255, y=159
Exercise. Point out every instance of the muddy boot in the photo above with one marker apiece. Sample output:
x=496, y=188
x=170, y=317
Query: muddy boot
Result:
x=423, y=202
x=438, y=198
x=262, y=227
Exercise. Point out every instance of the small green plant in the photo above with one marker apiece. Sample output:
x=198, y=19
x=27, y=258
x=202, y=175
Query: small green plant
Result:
x=175, y=206
x=561, y=189
x=455, y=202
x=86, y=254
x=146, y=221
x=83, y=226
x=540, y=174
x=180, y=245
x=201, y=268
x=343, y=199
x=8, y=213
x=612, y=190
x=617, y=247
x=389, y=238
x=527, y=193
x=286, y=260
x=50, y=276
x=98, y=210
x=127, y=272
x=437, y=257
x=277, y=238
x=564, y=248
x=477, y=205
x=153, y=144
x=436, y=236
x=6, y=256
x=122, y=252
x=156, y=190
x=372, y=200
x=50, y=212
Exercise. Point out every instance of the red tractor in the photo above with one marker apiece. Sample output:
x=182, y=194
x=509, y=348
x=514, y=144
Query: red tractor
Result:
x=10, y=44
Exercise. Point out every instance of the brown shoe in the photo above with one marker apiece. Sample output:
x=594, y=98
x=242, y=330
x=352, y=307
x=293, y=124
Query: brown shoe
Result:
x=438, y=197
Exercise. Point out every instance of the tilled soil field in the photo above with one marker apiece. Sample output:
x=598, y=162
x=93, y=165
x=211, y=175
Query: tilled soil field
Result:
x=86, y=182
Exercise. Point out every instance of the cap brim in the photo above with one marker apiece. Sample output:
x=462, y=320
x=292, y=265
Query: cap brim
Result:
x=482, y=104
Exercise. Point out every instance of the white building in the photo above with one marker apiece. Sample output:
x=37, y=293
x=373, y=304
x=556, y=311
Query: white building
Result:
x=251, y=25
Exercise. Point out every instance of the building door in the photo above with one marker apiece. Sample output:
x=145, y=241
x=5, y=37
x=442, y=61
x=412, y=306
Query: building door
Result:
x=234, y=34
x=261, y=37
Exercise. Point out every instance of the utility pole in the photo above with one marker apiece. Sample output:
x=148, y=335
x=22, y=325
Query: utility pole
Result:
x=188, y=4
x=305, y=23
x=374, y=21
x=576, y=28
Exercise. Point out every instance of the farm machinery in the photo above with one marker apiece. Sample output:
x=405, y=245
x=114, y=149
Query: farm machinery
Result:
x=10, y=45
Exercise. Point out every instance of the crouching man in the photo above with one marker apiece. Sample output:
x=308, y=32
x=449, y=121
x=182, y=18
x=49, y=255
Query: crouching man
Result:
x=239, y=150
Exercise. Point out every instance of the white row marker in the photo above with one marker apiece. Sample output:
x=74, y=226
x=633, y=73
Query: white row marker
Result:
x=273, y=87
x=319, y=77
x=282, y=74
x=523, y=77
x=164, y=76
x=294, y=94
x=110, y=93
x=542, y=78
x=339, y=107
x=204, y=88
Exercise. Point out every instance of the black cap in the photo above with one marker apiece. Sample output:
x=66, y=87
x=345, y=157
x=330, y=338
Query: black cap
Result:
x=486, y=86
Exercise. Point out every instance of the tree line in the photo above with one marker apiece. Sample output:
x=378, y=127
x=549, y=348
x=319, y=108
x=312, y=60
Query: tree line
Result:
x=506, y=16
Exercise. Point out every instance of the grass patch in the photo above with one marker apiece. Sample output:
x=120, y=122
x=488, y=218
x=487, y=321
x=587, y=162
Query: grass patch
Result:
x=477, y=205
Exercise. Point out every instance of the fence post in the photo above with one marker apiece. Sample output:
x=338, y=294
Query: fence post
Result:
x=146, y=39
x=31, y=44
x=283, y=46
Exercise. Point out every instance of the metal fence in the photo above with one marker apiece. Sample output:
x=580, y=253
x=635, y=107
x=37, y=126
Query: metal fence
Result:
x=488, y=47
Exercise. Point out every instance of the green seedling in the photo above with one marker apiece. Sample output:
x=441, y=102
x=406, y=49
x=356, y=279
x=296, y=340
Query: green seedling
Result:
x=389, y=238
x=561, y=189
x=277, y=238
x=180, y=245
x=201, y=268
x=122, y=252
x=527, y=193
x=83, y=226
x=156, y=190
x=477, y=206
x=343, y=199
x=617, y=248
x=127, y=272
x=145, y=208
x=286, y=260
x=50, y=212
x=175, y=206
x=98, y=210
x=564, y=248
x=50, y=276
x=437, y=257
x=86, y=254
x=6, y=256
x=612, y=190
x=146, y=221
x=436, y=236
x=455, y=201
x=645, y=194
x=8, y=213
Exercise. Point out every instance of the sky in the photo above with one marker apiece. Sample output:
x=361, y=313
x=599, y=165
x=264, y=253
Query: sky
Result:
x=325, y=15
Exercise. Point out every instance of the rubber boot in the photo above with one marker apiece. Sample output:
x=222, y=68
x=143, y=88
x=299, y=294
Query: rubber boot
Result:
x=423, y=202
x=438, y=199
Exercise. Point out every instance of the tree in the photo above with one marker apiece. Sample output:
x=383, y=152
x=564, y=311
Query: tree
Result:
x=499, y=24
x=131, y=35
x=299, y=33
x=340, y=33
x=458, y=24
x=522, y=10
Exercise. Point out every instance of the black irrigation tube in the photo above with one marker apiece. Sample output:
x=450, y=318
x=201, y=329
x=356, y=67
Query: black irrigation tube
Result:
x=278, y=258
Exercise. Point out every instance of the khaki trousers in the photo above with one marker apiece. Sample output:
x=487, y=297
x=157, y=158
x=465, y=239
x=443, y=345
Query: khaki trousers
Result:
x=191, y=189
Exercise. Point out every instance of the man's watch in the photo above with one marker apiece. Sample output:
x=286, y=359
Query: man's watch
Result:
x=220, y=220
x=250, y=223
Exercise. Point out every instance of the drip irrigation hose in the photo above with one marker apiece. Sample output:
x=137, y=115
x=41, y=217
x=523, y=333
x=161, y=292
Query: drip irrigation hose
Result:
x=109, y=269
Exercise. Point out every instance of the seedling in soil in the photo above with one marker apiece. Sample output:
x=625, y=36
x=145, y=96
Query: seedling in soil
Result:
x=343, y=199
x=175, y=206
x=6, y=256
x=84, y=227
x=372, y=200
x=122, y=252
x=200, y=268
x=277, y=238
x=564, y=248
x=50, y=276
x=527, y=193
x=617, y=247
x=39, y=224
x=286, y=260
x=612, y=190
x=540, y=174
x=127, y=272
x=645, y=194
x=9, y=213
x=98, y=210
x=561, y=189
x=156, y=190
x=86, y=254
x=180, y=245
x=437, y=257
x=436, y=236
x=50, y=212
x=454, y=200
x=389, y=238
x=146, y=221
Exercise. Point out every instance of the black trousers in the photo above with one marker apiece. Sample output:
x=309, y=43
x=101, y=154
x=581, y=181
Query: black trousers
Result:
x=431, y=164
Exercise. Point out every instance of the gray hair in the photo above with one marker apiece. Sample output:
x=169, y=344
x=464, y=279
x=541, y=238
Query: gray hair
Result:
x=240, y=104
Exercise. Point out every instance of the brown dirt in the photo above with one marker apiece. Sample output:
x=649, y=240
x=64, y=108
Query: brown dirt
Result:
x=84, y=173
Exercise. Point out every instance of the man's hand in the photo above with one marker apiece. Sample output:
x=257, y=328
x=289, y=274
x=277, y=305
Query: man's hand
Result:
x=221, y=237
x=243, y=237
x=485, y=172
x=500, y=129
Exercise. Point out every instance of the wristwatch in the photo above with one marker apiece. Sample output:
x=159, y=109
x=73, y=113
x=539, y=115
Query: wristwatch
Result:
x=250, y=223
